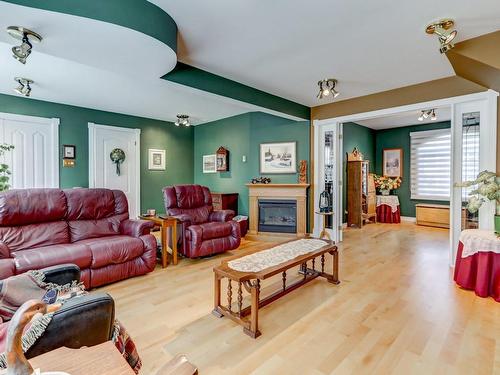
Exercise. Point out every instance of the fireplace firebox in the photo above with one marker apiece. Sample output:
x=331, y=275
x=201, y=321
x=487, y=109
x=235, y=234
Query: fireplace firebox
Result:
x=277, y=216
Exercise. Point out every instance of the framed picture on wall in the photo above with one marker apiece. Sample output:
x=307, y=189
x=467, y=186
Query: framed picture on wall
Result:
x=209, y=164
x=69, y=152
x=156, y=160
x=279, y=157
x=393, y=162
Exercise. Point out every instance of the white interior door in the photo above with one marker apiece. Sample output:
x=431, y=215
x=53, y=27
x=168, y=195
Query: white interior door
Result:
x=474, y=150
x=34, y=160
x=103, y=173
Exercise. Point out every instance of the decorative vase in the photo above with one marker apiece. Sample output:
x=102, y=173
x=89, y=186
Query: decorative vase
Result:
x=497, y=224
x=385, y=192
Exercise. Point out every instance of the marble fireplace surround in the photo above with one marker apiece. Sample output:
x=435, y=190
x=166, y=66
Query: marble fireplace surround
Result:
x=296, y=192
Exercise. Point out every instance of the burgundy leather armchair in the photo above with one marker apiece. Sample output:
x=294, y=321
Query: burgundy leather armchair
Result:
x=204, y=231
x=40, y=228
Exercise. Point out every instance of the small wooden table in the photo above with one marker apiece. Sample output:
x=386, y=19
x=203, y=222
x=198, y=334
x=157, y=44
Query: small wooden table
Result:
x=251, y=283
x=103, y=359
x=165, y=222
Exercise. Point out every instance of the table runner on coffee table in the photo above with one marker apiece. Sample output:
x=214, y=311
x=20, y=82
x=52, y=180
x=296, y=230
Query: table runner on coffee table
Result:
x=275, y=255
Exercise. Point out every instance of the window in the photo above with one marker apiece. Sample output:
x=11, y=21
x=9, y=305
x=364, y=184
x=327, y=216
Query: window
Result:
x=431, y=164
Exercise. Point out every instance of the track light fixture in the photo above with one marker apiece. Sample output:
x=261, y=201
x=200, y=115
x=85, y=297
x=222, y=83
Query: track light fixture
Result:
x=22, y=52
x=429, y=113
x=445, y=35
x=327, y=88
x=24, y=87
x=182, y=120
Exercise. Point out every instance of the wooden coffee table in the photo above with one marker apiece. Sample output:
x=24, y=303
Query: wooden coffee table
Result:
x=165, y=222
x=250, y=281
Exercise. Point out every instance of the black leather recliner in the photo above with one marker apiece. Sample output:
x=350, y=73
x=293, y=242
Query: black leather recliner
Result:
x=82, y=321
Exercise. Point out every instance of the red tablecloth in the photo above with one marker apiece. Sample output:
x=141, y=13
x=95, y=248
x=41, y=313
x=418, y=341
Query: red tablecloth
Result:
x=385, y=214
x=479, y=272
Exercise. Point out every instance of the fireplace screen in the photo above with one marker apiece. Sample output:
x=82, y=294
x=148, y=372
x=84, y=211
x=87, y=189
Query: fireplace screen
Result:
x=278, y=216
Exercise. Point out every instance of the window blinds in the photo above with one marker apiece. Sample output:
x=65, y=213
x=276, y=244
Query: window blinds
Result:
x=431, y=164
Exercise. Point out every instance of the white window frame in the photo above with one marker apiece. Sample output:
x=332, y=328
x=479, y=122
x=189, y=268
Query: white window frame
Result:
x=421, y=134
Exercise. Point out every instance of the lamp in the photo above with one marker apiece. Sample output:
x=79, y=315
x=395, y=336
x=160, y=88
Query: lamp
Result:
x=182, y=120
x=327, y=87
x=22, y=52
x=425, y=114
x=24, y=87
x=325, y=202
x=445, y=35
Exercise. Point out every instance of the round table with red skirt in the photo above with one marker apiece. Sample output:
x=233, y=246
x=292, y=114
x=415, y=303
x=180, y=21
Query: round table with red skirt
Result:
x=388, y=209
x=477, y=266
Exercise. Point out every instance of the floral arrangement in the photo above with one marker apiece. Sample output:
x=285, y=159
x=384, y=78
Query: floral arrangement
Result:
x=4, y=168
x=487, y=189
x=387, y=183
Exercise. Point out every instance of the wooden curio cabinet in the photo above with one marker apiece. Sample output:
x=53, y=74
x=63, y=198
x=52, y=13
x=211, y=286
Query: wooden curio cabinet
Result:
x=361, y=195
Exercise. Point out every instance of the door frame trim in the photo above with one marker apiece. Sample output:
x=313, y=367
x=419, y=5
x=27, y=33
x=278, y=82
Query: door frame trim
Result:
x=92, y=142
x=54, y=132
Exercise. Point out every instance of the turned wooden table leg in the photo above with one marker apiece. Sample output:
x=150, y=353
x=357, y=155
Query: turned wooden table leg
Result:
x=164, y=246
x=174, y=243
x=335, y=268
x=253, y=331
x=217, y=285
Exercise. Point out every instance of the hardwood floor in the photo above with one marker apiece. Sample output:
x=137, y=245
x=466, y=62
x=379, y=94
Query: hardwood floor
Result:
x=396, y=311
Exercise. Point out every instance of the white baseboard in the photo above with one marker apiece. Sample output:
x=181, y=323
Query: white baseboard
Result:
x=409, y=218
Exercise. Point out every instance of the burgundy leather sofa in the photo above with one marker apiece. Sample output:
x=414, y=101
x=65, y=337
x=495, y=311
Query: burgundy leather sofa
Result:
x=204, y=231
x=40, y=228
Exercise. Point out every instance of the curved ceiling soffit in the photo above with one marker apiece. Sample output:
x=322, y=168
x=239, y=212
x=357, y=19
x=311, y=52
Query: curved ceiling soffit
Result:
x=138, y=15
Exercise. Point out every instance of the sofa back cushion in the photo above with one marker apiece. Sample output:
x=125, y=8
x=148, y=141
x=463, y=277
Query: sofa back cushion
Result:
x=31, y=236
x=193, y=200
x=95, y=212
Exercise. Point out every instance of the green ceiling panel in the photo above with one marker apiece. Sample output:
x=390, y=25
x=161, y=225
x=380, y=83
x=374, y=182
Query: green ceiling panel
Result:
x=139, y=15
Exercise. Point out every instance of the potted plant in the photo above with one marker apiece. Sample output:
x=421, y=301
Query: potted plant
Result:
x=386, y=184
x=487, y=188
x=4, y=168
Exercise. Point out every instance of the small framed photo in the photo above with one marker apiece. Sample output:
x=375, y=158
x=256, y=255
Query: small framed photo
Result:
x=280, y=157
x=156, y=160
x=209, y=164
x=69, y=152
x=393, y=162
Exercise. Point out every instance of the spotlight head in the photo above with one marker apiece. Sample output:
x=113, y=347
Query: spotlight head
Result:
x=421, y=117
x=433, y=115
x=445, y=35
x=182, y=120
x=22, y=52
x=24, y=87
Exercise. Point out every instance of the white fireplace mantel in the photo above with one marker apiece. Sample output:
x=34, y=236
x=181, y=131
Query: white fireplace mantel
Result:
x=297, y=192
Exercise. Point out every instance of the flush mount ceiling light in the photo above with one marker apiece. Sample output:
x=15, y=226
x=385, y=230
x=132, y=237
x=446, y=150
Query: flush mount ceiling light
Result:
x=429, y=113
x=27, y=36
x=24, y=87
x=445, y=35
x=327, y=88
x=182, y=120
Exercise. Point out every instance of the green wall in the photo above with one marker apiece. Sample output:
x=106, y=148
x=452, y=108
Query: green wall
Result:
x=363, y=139
x=73, y=130
x=242, y=135
x=400, y=138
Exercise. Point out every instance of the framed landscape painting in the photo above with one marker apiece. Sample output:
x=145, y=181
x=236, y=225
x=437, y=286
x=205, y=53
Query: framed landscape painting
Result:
x=393, y=162
x=209, y=164
x=280, y=157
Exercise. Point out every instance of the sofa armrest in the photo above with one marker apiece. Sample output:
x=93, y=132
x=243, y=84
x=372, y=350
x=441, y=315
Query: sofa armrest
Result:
x=136, y=228
x=221, y=215
x=185, y=219
x=62, y=274
x=82, y=321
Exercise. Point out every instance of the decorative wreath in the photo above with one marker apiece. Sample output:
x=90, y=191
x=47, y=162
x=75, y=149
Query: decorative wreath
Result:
x=117, y=156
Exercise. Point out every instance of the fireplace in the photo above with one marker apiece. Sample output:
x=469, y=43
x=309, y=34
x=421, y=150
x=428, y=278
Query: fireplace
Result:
x=277, y=216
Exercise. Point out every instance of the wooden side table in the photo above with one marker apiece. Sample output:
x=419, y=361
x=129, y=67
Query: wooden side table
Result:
x=165, y=222
x=324, y=233
x=103, y=359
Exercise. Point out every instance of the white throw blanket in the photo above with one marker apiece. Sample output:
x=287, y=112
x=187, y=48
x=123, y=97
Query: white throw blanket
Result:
x=476, y=240
x=277, y=255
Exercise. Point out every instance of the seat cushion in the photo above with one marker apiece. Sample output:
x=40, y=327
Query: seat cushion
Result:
x=212, y=230
x=41, y=257
x=113, y=250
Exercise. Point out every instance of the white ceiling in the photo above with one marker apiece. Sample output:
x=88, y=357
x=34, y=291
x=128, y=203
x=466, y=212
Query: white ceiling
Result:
x=102, y=66
x=285, y=46
x=404, y=119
